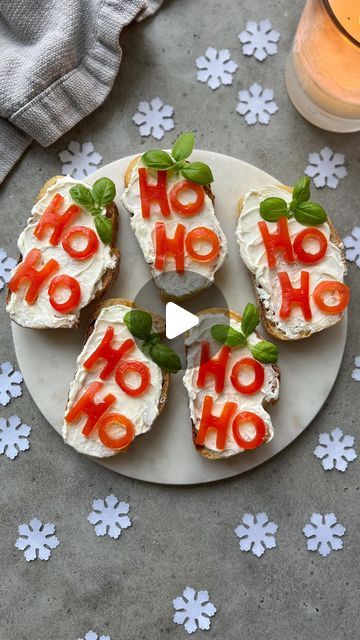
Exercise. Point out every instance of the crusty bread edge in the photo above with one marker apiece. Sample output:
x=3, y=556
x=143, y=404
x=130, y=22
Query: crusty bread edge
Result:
x=270, y=326
x=110, y=275
x=204, y=451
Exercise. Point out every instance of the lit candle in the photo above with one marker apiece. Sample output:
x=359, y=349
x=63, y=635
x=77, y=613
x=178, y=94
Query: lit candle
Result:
x=323, y=68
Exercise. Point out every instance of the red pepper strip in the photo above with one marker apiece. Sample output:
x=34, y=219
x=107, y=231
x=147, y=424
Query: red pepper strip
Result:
x=52, y=218
x=215, y=367
x=291, y=296
x=278, y=241
x=108, y=353
x=60, y=282
x=209, y=236
x=260, y=427
x=150, y=193
x=253, y=386
x=165, y=245
x=139, y=367
x=36, y=278
x=330, y=286
x=86, y=252
x=305, y=256
x=109, y=440
x=86, y=405
x=219, y=423
x=190, y=208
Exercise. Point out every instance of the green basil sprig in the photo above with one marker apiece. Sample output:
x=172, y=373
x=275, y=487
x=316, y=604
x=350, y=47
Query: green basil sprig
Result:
x=139, y=324
x=263, y=351
x=94, y=200
x=305, y=212
x=160, y=160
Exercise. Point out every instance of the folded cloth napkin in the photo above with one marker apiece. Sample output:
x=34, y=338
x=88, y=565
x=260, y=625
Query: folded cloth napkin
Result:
x=58, y=62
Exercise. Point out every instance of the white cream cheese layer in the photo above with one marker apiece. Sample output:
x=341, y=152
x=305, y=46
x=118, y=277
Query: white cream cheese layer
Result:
x=268, y=393
x=88, y=272
x=144, y=228
x=141, y=410
x=253, y=253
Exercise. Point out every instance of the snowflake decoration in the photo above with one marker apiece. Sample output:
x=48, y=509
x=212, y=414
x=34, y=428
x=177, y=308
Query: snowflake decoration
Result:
x=193, y=610
x=37, y=539
x=356, y=372
x=92, y=635
x=256, y=533
x=352, y=246
x=109, y=516
x=79, y=160
x=10, y=381
x=326, y=168
x=256, y=104
x=13, y=436
x=215, y=67
x=335, y=450
x=7, y=264
x=324, y=533
x=259, y=39
x=154, y=118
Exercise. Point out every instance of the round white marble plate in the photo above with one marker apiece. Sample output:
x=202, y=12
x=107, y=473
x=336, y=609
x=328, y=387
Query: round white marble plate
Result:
x=166, y=455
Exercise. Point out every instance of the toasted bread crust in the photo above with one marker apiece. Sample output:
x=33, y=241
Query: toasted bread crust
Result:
x=204, y=451
x=110, y=275
x=271, y=326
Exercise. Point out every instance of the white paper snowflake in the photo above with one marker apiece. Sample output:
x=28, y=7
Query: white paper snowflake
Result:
x=7, y=264
x=356, y=372
x=324, y=533
x=37, y=539
x=352, y=246
x=259, y=39
x=256, y=104
x=154, y=118
x=256, y=533
x=13, y=436
x=92, y=635
x=215, y=67
x=193, y=610
x=326, y=167
x=335, y=450
x=10, y=381
x=109, y=516
x=79, y=160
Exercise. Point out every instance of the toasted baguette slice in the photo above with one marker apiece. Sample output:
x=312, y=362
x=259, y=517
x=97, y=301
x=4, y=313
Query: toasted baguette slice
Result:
x=269, y=392
x=268, y=300
x=141, y=410
x=41, y=315
x=198, y=276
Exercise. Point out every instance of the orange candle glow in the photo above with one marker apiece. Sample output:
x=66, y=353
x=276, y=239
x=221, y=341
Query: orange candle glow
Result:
x=323, y=69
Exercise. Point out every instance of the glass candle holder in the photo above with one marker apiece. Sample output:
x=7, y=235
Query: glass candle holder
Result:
x=323, y=67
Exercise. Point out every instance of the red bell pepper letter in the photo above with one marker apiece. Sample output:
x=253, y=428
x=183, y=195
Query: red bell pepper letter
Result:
x=215, y=367
x=278, y=241
x=86, y=405
x=260, y=430
x=173, y=246
x=53, y=219
x=219, y=423
x=106, y=352
x=150, y=193
x=26, y=272
x=291, y=296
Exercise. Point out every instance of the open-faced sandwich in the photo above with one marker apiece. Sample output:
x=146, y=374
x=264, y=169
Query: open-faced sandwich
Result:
x=121, y=383
x=231, y=374
x=68, y=257
x=296, y=258
x=172, y=215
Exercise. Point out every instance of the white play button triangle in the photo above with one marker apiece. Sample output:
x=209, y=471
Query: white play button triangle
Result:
x=178, y=320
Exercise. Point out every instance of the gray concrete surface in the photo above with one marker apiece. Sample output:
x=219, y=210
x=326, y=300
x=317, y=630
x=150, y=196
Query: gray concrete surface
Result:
x=124, y=588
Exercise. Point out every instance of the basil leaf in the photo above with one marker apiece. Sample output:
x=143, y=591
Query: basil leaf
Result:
x=139, y=323
x=250, y=320
x=198, y=172
x=301, y=191
x=228, y=336
x=183, y=146
x=309, y=214
x=165, y=357
x=157, y=159
x=152, y=338
x=82, y=195
x=265, y=352
x=104, y=228
x=271, y=209
x=103, y=191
